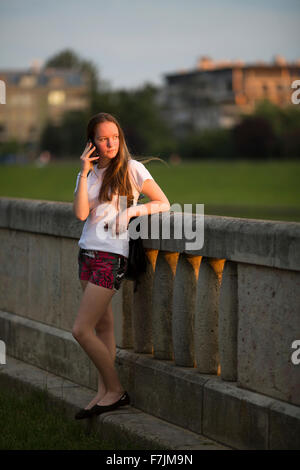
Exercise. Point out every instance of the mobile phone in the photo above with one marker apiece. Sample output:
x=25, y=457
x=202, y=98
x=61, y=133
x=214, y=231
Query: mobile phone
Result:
x=95, y=153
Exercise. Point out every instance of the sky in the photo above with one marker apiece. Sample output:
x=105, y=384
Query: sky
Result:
x=133, y=42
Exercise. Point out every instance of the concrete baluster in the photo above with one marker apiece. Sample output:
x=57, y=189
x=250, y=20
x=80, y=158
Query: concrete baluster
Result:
x=142, y=308
x=165, y=269
x=122, y=305
x=184, y=298
x=206, y=316
x=228, y=318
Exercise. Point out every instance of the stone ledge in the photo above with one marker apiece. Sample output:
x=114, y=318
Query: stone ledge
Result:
x=264, y=242
x=249, y=419
x=218, y=409
x=126, y=425
x=46, y=346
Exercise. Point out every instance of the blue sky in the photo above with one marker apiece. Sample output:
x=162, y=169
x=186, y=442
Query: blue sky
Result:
x=137, y=41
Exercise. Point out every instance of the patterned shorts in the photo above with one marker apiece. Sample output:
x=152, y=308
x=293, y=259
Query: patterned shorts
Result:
x=102, y=268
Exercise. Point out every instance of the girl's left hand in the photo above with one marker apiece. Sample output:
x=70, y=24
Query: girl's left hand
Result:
x=120, y=223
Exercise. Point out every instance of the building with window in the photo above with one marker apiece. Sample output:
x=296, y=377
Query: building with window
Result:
x=37, y=95
x=215, y=94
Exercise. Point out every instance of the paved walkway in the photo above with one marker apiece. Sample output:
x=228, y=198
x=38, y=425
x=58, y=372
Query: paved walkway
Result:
x=127, y=424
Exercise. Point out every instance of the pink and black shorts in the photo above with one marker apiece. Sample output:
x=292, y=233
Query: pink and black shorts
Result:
x=102, y=268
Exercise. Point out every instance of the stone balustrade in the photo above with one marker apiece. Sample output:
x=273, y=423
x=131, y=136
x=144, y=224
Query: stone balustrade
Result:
x=230, y=310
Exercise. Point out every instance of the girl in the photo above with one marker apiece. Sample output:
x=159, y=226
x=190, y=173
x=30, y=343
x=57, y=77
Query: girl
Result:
x=104, y=246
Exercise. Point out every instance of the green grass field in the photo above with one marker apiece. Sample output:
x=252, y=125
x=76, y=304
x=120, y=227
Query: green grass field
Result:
x=266, y=190
x=30, y=421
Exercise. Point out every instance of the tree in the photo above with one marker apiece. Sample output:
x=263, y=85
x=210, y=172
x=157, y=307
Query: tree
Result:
x=136, y=110
x=285, y=123
x=68, y=59
x=254, y=138
x=67, y=138
x=281, y=119
x=141, y=119
x=207, y=143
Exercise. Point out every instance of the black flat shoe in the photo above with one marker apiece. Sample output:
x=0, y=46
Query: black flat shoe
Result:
x=82, y=414
x=98, y=409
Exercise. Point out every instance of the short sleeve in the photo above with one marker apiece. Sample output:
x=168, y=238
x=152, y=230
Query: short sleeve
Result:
x=139, y=173
x=77, y=182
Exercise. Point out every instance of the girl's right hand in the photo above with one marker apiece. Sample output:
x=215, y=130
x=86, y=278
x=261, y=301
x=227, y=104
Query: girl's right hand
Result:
x=86, y=162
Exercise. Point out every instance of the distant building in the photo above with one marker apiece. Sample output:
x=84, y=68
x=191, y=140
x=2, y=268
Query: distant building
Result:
x=215, y=94
x=35, y=95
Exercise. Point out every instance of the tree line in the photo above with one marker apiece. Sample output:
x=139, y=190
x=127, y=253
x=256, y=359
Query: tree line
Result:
x=269, y=132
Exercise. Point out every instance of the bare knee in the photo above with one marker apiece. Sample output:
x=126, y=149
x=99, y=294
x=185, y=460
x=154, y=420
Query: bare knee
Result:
x=79, y=333
x=76, y=332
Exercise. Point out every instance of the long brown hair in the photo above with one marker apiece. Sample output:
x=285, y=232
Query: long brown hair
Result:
x=116, y=176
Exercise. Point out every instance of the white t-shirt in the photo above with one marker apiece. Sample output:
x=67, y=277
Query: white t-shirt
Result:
x=94, y=236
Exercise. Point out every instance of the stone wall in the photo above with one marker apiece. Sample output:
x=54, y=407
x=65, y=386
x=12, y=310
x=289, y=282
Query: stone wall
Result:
x=227, y=312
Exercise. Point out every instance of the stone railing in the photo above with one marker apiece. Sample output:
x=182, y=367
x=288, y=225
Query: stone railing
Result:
x=228, y=311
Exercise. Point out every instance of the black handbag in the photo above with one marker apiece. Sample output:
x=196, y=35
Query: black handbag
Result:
x=137, y=259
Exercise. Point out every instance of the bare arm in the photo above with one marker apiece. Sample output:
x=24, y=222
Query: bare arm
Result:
x=81, y=207
x=81, y=203
x=159, y=202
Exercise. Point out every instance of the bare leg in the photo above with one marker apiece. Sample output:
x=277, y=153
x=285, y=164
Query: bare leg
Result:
x=93, y=306
x=105, y=331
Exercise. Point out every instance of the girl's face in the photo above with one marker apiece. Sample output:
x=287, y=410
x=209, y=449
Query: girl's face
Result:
x=107, y=139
